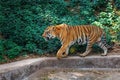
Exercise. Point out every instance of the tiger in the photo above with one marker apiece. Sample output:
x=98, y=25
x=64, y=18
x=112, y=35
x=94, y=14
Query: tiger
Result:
x=81, y=34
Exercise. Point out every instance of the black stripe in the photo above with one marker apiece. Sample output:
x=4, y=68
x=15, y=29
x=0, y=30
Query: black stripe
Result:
x=85, y=29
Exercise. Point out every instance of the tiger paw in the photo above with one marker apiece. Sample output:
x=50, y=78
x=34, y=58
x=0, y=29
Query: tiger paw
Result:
x=59, y=56
x=82, y=55
x=103, y=54
x=64, y=55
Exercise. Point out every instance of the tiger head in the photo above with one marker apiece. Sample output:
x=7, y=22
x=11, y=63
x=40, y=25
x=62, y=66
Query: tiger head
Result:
x=53, y=31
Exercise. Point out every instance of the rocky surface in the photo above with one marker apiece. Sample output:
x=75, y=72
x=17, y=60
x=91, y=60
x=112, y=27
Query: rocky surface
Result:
x=21, y=70
x=84, y=76
x=74, y=74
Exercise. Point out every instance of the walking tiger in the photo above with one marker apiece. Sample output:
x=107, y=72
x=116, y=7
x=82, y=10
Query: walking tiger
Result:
x=81, y=34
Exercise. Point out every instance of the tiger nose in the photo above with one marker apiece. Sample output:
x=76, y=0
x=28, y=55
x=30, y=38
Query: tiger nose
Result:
x=43, y=35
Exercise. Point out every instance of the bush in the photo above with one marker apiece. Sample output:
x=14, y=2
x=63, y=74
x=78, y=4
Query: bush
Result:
x=9, y=49
x=24, y=21
x=110, y=22
x=117, y=4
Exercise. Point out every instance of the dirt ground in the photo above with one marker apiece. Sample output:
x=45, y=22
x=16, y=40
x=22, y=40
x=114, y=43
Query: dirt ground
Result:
x=115, y=51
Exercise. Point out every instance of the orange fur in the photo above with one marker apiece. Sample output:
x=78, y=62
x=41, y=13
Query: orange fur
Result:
x=68, y=35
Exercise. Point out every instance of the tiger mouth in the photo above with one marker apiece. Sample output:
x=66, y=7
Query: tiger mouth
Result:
x=47, y=38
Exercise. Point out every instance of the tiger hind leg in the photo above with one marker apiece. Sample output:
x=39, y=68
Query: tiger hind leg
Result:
x=103, y=46
x=85, y=53
x=88, y=49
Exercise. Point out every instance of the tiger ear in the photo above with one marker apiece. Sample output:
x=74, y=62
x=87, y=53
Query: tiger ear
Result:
x=63, y=24
x=56, y=28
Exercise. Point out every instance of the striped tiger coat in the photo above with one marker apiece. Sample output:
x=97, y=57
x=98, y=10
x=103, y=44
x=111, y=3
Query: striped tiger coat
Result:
x=82, y=34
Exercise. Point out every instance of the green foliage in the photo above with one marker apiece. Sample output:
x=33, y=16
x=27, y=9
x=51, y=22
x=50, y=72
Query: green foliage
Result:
x=13, y=52
x=9, y=49
x=110, y=22
x=23, y=21
x=117, y=4
x=53, y=45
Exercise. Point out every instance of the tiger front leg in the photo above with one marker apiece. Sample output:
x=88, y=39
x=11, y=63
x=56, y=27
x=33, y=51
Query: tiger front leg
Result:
x=63, y=51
